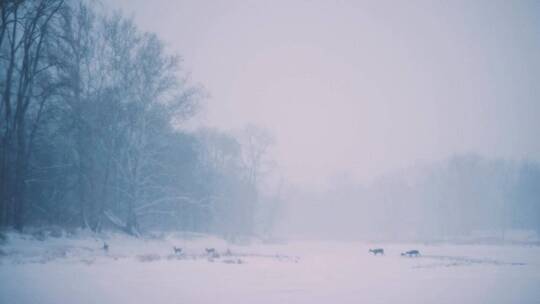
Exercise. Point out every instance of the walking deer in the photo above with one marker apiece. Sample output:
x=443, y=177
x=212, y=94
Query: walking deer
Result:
x=377, y=251
x=411, y=253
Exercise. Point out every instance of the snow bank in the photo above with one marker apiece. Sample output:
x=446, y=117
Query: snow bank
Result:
x=76, y=269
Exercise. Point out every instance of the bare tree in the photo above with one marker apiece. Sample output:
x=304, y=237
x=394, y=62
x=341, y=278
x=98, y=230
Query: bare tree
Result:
x=255, y=144
x=28, y=31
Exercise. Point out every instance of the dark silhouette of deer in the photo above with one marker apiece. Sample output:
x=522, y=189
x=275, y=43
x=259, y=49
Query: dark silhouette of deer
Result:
x=376, y=251
x=411, y=253
x=177, y=250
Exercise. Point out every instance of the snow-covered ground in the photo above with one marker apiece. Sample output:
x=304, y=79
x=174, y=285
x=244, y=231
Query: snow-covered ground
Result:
x=77, y=270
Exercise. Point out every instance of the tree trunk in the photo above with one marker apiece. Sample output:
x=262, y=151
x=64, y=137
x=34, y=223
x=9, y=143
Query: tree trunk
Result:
x=20, y=176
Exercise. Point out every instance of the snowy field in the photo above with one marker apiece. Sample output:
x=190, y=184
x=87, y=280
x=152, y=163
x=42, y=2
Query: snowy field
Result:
x=77, y=270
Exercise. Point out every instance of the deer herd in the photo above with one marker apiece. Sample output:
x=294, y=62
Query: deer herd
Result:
x=410, y=253
x=375, y=251
x=212, y=252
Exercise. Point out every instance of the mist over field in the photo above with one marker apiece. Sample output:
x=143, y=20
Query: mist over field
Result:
x=270, y=152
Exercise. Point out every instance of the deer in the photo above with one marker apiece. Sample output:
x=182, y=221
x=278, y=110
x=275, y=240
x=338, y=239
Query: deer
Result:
x=376, y=251
x=411, y=253
x=212, y=252
x=177, y=250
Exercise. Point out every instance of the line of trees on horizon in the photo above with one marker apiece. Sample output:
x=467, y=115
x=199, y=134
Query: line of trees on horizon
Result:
x=89, y=130
x=465, y=196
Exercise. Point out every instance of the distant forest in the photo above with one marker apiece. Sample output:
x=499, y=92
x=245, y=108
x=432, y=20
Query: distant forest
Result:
x=91, y=114
x=463, y=196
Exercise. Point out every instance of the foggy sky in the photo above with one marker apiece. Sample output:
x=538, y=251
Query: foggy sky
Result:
x=362, y=87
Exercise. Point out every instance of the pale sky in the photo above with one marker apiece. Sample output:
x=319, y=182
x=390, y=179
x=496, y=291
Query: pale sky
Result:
x=362, y=87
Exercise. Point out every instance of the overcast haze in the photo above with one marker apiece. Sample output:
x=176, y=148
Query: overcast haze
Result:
x=362, y=87
x=321, y=151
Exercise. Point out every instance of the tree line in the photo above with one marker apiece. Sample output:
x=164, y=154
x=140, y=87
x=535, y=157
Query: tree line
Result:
x=90, y=114
x=464, y=196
